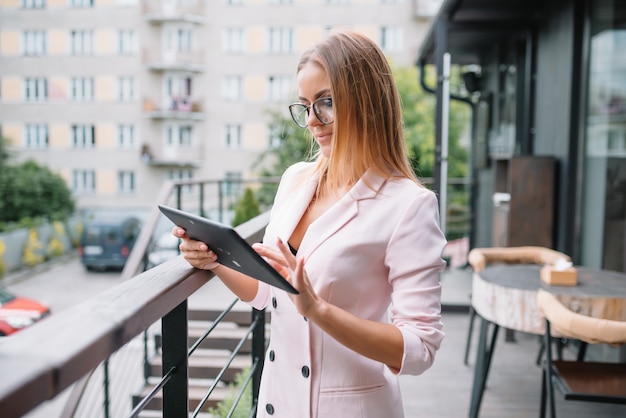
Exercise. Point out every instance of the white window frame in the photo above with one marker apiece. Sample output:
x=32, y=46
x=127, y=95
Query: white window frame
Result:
x=232, y=186
x=126, y=136
x=126, y=183
x=233, y=40
x=126, y=42
x=83, y=181
x=182, y=174
x=391, y=39
x=81, y=3
x=233, y=136
x=36, y=136
x=81, y=42
x=83, y=136
x=179, y=135
x=125, y=88
x=278, y=88
x=232, y=87
x=82, y=89
x=34, y=42
x=33, y=4
x=280, y=40
x=35, y=89
x=274, y=140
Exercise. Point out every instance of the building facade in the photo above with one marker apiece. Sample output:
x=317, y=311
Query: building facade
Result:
x=120, y=95
x=547, y=79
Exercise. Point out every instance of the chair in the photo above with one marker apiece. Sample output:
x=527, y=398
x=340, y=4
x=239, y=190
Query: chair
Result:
x=576, y=379
x=479, y=258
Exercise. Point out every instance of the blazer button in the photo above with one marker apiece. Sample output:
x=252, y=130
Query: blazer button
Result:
x=269, y=408
x=274, y=302
x=305, y=371
x=305, y=318
x=271, y=355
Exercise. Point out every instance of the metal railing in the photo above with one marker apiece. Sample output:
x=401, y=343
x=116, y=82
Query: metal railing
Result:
x=41, y=362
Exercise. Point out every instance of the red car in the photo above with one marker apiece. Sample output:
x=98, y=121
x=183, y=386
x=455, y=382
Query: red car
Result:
x=17, y=312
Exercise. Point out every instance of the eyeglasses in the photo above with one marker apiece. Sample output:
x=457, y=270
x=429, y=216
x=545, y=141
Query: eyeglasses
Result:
x=322, y=108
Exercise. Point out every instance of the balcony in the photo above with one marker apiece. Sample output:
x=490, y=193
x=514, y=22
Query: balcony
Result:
x=181, y=108
x=191, y=61
x=159, y=11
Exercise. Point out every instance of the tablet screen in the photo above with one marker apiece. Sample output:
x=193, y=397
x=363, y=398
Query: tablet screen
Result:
x=231, y=249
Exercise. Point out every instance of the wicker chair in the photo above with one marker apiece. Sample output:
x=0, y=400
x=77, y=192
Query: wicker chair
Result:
x=577, y=379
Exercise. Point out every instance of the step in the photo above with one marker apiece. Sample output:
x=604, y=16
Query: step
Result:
x=196, y=394
x=203, y=365
x=221, y=338
x=238, y=317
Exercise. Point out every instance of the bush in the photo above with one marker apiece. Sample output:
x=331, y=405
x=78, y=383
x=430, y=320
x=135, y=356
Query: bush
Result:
x=244, y=406
x=246, y=208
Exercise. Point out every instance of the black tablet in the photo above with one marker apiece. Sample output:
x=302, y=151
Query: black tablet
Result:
x=231, y=249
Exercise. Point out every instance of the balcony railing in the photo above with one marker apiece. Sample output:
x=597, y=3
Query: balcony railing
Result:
x=159, y=60
x=39, y=363
x=157, y=11
x=176, y=108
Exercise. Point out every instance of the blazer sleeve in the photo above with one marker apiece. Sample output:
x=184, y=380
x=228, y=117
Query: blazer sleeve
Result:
x=414, y=260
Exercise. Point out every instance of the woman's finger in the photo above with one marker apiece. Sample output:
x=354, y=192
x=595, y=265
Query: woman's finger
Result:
x=286, y=252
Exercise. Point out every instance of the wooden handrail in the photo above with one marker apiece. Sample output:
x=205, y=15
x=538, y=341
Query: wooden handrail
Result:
x=40, y=362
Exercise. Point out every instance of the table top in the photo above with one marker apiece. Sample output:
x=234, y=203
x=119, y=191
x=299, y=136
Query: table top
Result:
x=506, y=294
x=591, y=282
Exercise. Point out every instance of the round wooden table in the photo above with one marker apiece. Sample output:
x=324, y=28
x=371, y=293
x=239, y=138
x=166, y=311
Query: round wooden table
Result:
x=505, y=295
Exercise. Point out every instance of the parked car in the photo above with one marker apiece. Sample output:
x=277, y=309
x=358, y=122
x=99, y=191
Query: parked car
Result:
x=165, y=248
x=106, y=243
x=17, y=312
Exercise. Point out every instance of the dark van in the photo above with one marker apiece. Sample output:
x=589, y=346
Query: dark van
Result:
x=107, y=243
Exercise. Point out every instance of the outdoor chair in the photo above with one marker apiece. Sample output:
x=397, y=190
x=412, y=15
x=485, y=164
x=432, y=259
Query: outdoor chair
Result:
x=577, y=379
x=479, y=258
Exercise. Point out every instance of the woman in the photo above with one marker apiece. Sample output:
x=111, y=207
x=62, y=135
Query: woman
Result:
x=358, y=236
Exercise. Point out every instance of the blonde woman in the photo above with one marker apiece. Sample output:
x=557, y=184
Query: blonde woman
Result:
x=358, y=236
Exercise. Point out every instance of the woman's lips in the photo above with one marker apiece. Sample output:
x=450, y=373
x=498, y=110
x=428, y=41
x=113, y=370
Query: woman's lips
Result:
x=323, y=137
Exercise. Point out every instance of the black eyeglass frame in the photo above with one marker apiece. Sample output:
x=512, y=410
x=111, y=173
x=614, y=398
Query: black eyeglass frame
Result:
x=307, y=110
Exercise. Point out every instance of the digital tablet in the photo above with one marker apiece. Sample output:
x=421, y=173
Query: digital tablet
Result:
x=231, y=249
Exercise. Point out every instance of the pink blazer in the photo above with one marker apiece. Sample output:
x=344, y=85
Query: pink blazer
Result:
x=377, y=254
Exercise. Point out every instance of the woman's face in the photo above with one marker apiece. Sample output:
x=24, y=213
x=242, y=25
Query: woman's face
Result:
x=313, y=84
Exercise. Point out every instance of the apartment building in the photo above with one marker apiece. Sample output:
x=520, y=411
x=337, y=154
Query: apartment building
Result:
x=120, y=95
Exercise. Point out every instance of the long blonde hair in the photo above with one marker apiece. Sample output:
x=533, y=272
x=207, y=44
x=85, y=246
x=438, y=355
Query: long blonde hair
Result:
x=367, y=131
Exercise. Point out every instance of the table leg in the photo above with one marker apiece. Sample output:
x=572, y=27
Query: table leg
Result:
x=482, y=365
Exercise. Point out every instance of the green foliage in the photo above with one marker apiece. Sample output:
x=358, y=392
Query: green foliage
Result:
x=246, y=208
x=29, y=191
x=245, y=402
x=295, y=144
x=418, y=112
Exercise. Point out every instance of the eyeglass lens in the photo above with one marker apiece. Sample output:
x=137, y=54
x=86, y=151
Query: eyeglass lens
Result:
x=322, y=108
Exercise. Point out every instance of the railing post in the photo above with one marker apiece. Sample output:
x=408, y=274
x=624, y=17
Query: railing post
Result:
x=174, y=349
x=258, y=352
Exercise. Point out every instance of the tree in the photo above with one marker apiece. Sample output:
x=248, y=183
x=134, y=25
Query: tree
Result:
x=295, y=144
x=29, y=190
x=418, y=112
x=246, y=208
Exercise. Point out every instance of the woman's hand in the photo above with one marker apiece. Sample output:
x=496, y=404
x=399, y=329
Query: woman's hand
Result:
x=307, y=301
x=196, y=253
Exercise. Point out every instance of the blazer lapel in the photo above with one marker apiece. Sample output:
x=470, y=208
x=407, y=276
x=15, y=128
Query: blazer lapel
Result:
x=292, y=212
x=340, y=213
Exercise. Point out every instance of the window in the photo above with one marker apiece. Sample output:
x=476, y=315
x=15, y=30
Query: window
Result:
x=82, y=89
x=126, y=136
x=232, y=136
x=234, y=2
x=233, y=185
x=125, y=89
x=83, y=136
x=81, y=3
x=33, y=4
x=280, y=40
x=35, y=89
x=83, y=181
x=181, y=175
x=281, y=1
x=126, y=182
x=179, y=136
x=81, y=42
x=231, y=88
x=275, y=139
x=233, y=40
x=279, y=88
x=36, y=136
x=33, y=42
x=391, y=39
x=126, y=44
